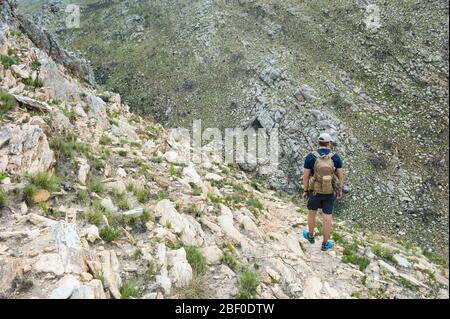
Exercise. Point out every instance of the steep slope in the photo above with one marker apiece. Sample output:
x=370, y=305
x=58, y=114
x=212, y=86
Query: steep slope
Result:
x=380, y=89
x=97, y=202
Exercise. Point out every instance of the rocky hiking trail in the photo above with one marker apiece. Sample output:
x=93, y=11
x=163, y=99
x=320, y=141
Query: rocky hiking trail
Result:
x=97, y=202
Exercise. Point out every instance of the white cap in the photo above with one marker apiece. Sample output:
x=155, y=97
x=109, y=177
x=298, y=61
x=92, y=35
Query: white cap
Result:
x=325, y=137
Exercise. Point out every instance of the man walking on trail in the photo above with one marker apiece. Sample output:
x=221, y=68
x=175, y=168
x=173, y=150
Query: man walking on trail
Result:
x=323, y=182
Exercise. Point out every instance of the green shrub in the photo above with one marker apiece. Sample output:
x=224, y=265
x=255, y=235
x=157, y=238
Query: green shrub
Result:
x=44, y=180
x=142, y=195
x=214, y=199
x=198, y=288
x=95, y=185
x=82, y=196
x=254, y=202
x=350, y=256
x=109, y=233
x=192, y=210
x=36, y=83
x=196, y=259
x=129, y=290
x=384, y=253
x=147, y=216
x=3, y=198
x=28, y=192
x=105, y=140
x=7, y=61
x=123, y=153
x=3, y=175
x=249, y=282
x=68, y=145
x=230, y=261
x=7, y=103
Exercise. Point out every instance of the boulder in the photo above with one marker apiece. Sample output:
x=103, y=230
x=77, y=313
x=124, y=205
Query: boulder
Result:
x=41, y=196
x=181, y=271
x=32, y=104
x=83, y=172
x=90, y=290
x=49, y=263
x=65, y=288
x=191, y=175
x=10, y=269
x=212, y=254
x=312, y=288
x=97, y=109
x=110, y=271
x=69, y=247
x=24, y=149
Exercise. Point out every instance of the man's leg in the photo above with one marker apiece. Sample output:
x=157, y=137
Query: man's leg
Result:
x=327, y=221
x=311, y=222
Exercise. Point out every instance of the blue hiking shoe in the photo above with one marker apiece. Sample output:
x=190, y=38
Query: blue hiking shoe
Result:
x=327, y=246
x=307, y=237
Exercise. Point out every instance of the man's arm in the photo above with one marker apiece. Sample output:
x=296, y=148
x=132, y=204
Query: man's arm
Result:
x=340, y=175
x=306, y=175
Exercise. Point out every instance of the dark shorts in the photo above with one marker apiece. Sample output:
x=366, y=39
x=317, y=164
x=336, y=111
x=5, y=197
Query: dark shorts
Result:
x=325, y=202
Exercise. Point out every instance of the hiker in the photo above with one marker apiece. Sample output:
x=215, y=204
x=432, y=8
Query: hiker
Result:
x=323, y=182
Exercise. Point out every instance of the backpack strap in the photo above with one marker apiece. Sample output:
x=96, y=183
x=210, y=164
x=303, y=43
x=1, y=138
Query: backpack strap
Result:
x=316, y=154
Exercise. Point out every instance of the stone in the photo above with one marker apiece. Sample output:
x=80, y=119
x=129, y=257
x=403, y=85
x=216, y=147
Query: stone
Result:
x=181, y=271
x=189, y=229
x=10, y=269
x=91, y=290
x=164, y=281
x=212, y=254
x=40, y=220
x=49, y=263
x=213, y=177
x=97, y=109
x=117, y=185
x=171, y=157
x=149, y=147
x=92, y=233
x=41, y=196
x=24, y=149
x=191, y=175
x=136, y=212
x=79, y=110
x=402, y=261
x=312, y=288
x=65, y=288
x=161, y=181
x=60, y=122
x=20, y=71
x=121, y=172
x=83, y=173
x=110, y=271
x=32, y=104
x=69, y=247
x=305, y=92
x=109, y=205
x=85, y=277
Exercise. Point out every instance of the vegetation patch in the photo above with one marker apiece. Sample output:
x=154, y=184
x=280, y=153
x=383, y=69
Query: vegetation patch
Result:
x=7, y=61
x=109, y=234
x=7, y=103
x=129, y=290
x=249, y=282
x=196, y=259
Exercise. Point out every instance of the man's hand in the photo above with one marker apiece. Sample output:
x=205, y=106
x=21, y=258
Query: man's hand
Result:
x=339, y=194
x=305, y=195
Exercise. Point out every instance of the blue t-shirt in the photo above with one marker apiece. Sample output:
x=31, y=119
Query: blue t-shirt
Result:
x=311, y=160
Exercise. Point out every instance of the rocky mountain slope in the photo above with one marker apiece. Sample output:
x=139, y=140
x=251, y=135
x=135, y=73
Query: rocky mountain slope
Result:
x=377, y=83
x=98, y=202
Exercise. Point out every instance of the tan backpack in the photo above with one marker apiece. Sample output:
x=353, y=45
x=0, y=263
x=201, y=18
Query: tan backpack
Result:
x=324, y=180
